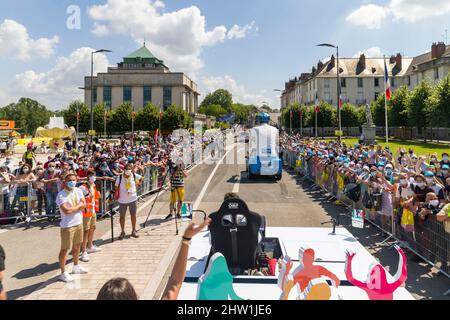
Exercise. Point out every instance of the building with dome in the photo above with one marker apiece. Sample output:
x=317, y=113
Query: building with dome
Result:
x=142, y=78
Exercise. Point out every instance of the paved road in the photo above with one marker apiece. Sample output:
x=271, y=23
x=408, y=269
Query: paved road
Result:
x=287, y=203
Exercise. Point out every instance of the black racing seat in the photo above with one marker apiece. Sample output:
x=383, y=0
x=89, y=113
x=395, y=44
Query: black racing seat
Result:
x=234, y=233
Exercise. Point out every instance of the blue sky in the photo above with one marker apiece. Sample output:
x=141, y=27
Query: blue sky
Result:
x=249, y=47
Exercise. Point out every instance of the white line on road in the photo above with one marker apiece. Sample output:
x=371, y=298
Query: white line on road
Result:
x=237, y=184
x=205, y=187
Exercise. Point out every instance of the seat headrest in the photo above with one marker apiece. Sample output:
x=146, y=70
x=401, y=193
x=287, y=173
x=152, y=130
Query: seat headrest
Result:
x=234, y=206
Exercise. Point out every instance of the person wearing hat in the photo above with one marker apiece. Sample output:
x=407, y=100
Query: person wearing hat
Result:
x=431, y=183
x=443, y=174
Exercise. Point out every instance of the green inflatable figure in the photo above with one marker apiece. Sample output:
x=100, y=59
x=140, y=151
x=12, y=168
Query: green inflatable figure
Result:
x=217, y=282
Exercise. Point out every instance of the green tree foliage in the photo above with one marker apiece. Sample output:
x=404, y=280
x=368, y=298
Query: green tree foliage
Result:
x=214, y=110
x=121, y=118
x=175, y=118
x=242, y=112
x=147, y=118
x=439, y=104
x=417, y=105
x=221, y=97
x=70, y=116
x=378, y=113
x=349, y=116
x=397, y=108
x=28, y=115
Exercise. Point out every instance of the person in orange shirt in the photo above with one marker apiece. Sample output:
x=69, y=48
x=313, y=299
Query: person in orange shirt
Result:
x=92, y=196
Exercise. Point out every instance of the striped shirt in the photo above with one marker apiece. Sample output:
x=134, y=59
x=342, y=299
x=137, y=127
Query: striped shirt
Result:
x=176, y=178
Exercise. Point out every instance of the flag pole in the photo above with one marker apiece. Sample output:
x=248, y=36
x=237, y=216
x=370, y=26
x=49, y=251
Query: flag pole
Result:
x=290, y=117
x=385, y=102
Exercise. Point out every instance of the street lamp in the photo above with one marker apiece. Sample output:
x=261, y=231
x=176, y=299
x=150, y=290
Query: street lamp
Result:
x=338, y=84
x=78, y=114
x=92, y=85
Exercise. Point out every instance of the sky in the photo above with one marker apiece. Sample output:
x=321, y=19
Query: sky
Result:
x=249, y=47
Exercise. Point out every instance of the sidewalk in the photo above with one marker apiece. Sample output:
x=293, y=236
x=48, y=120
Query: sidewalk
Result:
x=144, y=261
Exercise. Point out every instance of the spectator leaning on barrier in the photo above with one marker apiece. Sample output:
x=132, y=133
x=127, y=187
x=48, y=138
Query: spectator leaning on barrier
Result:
x=71, y=203
x=92, y=196
x=50, y=179
x=126, y=186
x=5, y=181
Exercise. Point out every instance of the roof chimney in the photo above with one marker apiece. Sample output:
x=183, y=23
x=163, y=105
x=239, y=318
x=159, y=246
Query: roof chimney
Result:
x=319, y=65
x=398, y=61
x=434, y=50
x=440, y=49
x=332, y=61
x=362, y=61
x=392, y=60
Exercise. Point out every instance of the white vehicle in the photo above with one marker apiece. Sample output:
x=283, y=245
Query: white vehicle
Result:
x=264, y=157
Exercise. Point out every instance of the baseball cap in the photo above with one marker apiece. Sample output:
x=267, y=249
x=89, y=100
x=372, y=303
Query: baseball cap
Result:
x=429, y=174
x=445, y=167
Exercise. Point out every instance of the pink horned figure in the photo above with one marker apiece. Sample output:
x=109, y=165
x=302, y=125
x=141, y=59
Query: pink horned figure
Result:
x=376, y=285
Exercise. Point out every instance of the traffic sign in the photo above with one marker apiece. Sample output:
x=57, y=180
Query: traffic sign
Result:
x=92, y=132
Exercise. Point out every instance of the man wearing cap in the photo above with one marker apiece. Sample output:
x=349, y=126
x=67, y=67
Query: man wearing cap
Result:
x=437, y=189
x=444, y=174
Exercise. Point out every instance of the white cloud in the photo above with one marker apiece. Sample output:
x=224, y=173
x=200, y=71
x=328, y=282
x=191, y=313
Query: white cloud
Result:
x=237, y=32
x=57, y=87
x=16, y=43
x=374, y=16
x=373, y=52
x=239, y=92
x=371, y=16
x=176, y=37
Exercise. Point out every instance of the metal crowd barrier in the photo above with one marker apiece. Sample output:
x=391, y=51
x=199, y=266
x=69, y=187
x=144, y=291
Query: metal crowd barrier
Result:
x=429, y=240
x=22, y=208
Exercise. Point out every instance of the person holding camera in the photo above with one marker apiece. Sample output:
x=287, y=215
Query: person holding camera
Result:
x=177, y=175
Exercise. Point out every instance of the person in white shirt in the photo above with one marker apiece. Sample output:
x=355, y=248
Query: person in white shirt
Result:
x=71, y=202
x=3, y=147
x=127, y=185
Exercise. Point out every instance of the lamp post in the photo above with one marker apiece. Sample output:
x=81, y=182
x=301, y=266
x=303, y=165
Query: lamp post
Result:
x=282, y=91
x=338, y=88
x=92, y=85
x=78, y=114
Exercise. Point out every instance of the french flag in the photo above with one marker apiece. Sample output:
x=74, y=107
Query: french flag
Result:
x=387, y=82
x=317, y=102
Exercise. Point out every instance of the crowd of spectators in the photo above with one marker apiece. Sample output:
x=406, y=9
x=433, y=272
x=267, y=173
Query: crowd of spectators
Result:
x=395, y=187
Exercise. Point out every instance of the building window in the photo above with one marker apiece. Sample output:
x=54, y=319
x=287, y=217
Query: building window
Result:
x=377, y=82
x=360, y=82
x=107, y=96
x=94, y=95
x=436, y=73
x=327, y=83
x=147, y=95
x=393, y=81
x=127, y=94
x=167, y=97
x=408, y=80
x=343, y=82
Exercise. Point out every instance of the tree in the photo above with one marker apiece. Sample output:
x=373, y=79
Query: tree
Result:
x=221, y=97
x=70, y=116
x=378, y=112
x=121, y=118
x=175, y=118
x=417, y=106
x=147, y=119
x=28, y=115
x=214, y=110
x=397, y=108
x=349, y=116
x=242, y=112
x=439, y=104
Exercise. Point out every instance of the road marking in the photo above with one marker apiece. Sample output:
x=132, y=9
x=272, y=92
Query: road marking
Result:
x=206, y=185
x=236, y=185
